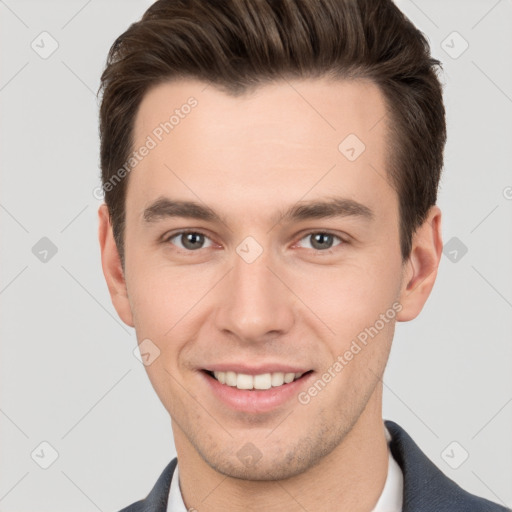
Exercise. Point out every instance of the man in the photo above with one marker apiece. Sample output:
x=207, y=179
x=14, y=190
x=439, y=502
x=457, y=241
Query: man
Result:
x=270, y=171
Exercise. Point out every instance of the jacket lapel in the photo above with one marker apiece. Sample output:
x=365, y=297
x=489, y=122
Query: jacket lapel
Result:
x=156, y=500
x=426, y=487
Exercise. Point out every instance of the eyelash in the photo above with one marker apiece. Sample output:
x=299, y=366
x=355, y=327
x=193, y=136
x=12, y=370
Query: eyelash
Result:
x=169, y=237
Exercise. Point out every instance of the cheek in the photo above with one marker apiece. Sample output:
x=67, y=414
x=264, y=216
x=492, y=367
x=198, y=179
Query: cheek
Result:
x=165, y=382
x=161, y=295
x=349, y=297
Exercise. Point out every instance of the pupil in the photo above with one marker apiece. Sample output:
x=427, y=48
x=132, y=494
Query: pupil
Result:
x=193, y=240
x=321, y=240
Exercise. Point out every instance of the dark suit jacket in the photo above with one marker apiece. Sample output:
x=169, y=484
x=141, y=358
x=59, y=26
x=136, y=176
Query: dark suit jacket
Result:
x=426, y=488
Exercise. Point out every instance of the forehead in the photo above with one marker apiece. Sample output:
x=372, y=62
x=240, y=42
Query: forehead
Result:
x=278, y=143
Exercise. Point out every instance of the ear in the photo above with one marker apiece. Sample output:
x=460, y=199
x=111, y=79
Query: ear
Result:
x=420, y=270
x=112, y=269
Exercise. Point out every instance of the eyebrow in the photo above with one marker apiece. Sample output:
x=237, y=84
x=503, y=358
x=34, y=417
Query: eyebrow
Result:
x=330, y=207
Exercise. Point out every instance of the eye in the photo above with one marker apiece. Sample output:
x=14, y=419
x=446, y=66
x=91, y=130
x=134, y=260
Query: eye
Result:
x=189, y=240
x=320, y=240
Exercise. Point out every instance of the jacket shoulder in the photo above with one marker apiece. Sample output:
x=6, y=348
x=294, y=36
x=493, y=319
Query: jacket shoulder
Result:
x=156, y=500
x=426, y=487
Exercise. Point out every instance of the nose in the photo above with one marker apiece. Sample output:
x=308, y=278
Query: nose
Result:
x=254, y=304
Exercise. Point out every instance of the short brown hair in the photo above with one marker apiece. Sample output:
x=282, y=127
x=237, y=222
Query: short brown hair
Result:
x=237, y=45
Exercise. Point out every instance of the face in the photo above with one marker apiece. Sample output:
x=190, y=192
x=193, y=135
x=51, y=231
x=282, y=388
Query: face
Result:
x=262, y=244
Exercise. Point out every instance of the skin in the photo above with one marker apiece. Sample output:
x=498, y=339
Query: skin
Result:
x=248, y=158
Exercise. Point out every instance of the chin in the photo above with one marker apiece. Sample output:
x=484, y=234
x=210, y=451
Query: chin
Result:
x=248, y=462
x=270, y=470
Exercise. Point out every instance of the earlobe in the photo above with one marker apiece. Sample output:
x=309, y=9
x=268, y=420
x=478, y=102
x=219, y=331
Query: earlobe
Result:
x=112, y=268
x=420, y=270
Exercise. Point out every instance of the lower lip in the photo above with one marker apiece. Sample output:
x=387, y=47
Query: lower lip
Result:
x=257, y=400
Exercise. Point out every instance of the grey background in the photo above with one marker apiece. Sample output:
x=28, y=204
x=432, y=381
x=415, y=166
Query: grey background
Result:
x=67, y=369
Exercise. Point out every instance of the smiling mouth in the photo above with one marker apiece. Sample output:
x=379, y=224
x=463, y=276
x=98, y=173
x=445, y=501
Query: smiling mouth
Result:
x=255, y=382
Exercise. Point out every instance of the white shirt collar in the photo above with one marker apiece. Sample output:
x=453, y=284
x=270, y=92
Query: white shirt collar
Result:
x=390, y=499
x=175, y=502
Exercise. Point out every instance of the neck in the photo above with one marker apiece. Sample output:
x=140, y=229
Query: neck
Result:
x=350, y=478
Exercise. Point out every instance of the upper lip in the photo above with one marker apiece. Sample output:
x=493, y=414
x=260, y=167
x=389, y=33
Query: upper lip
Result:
x=255, y=370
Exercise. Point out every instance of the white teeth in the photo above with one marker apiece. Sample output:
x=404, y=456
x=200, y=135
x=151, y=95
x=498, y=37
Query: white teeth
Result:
x=262, y=381
x=289, y=377
x=277, y=379
x=230, y=378
x=244, y=381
